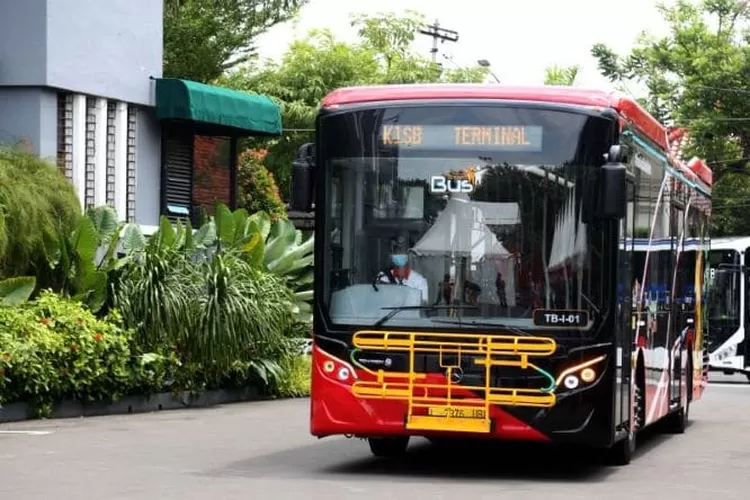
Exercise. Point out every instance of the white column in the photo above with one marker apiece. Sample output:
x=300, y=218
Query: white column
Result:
x=100, y=151
x=121, y=160
x=79, y=147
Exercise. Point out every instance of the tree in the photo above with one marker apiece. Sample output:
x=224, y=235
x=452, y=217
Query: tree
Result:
x=561, y=75
x=319, y=63
x=205, y=38
x=565, y=76
x=698, y=77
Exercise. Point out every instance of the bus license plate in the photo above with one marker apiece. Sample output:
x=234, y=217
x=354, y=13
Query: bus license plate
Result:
x=453, y=412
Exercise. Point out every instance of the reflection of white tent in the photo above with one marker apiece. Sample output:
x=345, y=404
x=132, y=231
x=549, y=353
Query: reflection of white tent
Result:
x=569, y=240
x=569, y=246
x=460, y=233
x=461, y=230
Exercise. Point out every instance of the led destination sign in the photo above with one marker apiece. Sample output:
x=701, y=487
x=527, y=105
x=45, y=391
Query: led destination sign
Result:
x=496, y=138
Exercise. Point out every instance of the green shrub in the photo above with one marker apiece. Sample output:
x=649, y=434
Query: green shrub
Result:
x=54, y=349
x=258, y=191
x=218, y=311
x=295, y=378
x=36, y=204
x=300, y=330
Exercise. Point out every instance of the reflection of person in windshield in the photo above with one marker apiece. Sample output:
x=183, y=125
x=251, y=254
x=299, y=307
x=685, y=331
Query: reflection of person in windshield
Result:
x=400, y=273
x=500, y=289
x=445, y=290
x=472, y=291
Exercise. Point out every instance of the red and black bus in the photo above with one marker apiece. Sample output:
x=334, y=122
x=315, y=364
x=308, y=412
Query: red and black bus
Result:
x=476, y=272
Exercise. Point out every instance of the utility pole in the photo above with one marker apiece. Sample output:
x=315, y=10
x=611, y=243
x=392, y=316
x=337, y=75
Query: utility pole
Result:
x=437, y=33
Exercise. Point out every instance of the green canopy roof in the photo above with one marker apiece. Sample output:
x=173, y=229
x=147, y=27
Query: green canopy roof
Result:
x=252, y=114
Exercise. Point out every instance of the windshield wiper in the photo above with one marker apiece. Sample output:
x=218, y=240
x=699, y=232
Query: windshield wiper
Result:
x=462, y=322
x=395, y=310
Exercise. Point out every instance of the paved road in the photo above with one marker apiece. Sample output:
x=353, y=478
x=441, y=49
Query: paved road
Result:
x=263, y=451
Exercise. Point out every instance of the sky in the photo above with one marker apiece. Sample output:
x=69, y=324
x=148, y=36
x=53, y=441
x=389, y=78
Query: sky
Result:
x=519, y=38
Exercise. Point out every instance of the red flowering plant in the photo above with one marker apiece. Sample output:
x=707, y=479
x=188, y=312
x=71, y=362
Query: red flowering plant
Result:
x=53, y=349
x=258, y=190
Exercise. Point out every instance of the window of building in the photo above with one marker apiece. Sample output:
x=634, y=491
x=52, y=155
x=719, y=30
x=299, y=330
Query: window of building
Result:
x=198, y=171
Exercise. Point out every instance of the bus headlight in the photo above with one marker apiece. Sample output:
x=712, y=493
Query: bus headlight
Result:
x=588, y=375
x=334, y=367
x=571, y=382
x=581, y=374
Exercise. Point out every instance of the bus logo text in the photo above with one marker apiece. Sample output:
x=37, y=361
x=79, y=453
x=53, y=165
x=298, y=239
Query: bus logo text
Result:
x=441, y=184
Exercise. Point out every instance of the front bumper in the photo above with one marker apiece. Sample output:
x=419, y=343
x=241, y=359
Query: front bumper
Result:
x=349, y=399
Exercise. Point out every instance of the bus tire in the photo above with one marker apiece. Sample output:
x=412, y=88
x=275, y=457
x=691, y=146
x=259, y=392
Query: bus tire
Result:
x=622, y=451
x=388, y=447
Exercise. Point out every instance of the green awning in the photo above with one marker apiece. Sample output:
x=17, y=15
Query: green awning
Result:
x=252, y=114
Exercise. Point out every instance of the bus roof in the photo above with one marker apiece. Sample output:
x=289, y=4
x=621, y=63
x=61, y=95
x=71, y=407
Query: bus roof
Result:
x=548, y=93
x=627, y=107
x=739, y=243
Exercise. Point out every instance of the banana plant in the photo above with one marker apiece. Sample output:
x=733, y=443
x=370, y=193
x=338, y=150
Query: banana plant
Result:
x=289, y=255
x=274, y=246
x=83, y=260
x=17, y=290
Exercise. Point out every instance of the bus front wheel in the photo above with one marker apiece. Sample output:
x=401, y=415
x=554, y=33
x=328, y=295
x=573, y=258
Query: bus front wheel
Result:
x=622, y=451
x=388, y=447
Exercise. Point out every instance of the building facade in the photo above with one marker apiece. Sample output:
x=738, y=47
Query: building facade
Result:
x=81, y=84
x=75, y=84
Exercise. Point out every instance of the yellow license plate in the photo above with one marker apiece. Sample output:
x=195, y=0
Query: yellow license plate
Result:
x=454, y=412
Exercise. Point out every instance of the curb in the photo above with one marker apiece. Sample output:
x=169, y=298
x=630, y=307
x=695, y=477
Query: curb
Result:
x=15, y=412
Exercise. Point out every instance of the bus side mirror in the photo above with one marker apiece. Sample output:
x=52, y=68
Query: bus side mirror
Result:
x=613, y=187
x=303, y=180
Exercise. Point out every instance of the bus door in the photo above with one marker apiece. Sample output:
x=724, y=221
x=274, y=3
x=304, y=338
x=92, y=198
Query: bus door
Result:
x=625, y=336
x=681, y=312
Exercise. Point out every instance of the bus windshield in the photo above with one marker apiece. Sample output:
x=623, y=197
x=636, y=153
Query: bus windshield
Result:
x=462, y=215
x=724, y=288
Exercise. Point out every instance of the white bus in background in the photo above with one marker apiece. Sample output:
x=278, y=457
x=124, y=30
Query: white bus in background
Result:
x=728, y=314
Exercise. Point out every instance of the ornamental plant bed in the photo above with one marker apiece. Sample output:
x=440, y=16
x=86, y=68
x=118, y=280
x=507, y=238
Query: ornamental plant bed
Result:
x=59, y=360
x=14, y=412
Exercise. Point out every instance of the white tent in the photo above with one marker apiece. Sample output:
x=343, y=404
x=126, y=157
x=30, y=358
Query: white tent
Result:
x=461, y=230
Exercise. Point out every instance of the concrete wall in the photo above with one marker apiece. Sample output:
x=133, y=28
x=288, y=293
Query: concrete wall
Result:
x=23, y=42
x=29, y=114
x=100, y=48
x=92, y=48
x=105, y=48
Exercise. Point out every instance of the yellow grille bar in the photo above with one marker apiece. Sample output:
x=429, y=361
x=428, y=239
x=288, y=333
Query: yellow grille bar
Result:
x=445, y=411
x=468, y=344
x=493, y=395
